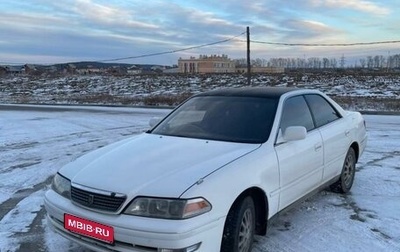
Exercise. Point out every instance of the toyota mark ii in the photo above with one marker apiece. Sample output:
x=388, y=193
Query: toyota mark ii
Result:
x=210, y=175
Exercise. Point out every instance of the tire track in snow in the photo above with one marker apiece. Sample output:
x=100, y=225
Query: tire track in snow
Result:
x=33, y=239
x=367, y=218
x=18, y=146
x=20, y=195
x=16, y=224
x=386, y=155
x=24, y=164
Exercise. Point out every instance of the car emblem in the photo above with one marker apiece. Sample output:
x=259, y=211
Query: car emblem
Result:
x=90, y=199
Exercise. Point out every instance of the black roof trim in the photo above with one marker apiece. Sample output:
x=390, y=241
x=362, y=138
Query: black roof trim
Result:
x=263, y=92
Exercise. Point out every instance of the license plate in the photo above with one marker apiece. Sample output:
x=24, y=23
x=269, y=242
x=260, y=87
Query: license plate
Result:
x=89, y=228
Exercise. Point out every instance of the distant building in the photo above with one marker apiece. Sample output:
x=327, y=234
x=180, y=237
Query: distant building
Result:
x=157, y=69
x=15, y=69
x=133, y=70
x=207, y=64
x=89, y=70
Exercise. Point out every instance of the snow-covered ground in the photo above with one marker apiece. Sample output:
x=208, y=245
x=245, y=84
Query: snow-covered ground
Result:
x=35, y=143
x=140, y=89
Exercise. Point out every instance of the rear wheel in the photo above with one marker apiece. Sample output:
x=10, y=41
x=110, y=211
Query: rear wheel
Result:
x=239, y=227
x=345, y=182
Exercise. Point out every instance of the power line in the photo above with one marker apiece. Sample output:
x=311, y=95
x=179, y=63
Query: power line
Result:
x=173, y=51
x=235, y=38
x=326, y=44
x=154, y=54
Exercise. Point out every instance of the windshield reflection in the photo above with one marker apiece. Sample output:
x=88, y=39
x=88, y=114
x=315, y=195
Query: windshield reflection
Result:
x=223, y=118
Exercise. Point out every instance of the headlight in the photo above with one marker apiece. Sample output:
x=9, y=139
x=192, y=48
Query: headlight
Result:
x=168, y=208
x=62, y=186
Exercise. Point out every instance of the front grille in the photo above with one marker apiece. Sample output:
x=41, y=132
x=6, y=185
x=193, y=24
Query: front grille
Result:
x=103, y=202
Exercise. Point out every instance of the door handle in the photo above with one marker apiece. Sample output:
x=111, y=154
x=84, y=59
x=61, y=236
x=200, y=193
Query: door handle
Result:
x=347, y=132
x=317, y=147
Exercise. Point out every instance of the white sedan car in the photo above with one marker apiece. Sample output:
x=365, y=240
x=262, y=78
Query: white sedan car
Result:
x=210, y=175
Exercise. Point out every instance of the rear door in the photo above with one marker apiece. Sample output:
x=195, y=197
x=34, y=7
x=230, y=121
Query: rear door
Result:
x=300, y=162
x=334, y=132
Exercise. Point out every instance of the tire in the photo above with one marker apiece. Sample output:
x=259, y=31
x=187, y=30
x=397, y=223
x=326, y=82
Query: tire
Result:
x=345, y=182
x=239, y=227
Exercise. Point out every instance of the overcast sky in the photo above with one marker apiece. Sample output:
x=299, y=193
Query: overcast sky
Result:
x=57, y=31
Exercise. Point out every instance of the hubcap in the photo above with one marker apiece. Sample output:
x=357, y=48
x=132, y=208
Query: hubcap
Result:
x=245, y=233
x=348, y=170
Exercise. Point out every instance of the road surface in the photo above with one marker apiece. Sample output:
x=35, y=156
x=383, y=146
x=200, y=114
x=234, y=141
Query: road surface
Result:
x=35, y=141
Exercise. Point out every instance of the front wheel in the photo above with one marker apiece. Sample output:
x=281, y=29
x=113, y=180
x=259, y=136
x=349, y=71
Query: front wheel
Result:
x=239, y=227
x=345, y=182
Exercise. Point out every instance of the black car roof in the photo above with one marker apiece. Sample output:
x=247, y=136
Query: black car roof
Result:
x=265, y=92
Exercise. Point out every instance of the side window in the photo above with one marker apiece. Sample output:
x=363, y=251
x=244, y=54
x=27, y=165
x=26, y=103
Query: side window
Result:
x=296, y=113
x=322, y=110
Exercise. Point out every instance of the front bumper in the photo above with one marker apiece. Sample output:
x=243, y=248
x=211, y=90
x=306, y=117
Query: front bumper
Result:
x=137, y=234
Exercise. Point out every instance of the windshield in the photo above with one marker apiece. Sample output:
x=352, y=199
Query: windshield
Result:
x=223, y=118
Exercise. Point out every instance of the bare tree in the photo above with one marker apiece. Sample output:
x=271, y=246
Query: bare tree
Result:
x=382, y=61
x=257, y=62
x=333, y=63
x=376, y=61
x=396, y=61
x=370, y=62
x=325, y=62
x=241, y=62
x=363, y=63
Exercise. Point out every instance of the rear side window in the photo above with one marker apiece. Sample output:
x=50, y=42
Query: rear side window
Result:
x=322, y=110
x=296, y=113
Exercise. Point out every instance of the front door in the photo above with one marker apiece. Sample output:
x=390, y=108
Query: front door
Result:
x=301, y=161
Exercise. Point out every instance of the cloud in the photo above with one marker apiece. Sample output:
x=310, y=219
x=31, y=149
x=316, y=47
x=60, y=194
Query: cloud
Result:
x=108, y=15
x=31, y=21
x=358, y=5
x=98, y=29
x=309, y=30
x=189, y=26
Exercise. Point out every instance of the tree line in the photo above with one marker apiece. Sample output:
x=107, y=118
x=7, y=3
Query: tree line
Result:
x=368, y=62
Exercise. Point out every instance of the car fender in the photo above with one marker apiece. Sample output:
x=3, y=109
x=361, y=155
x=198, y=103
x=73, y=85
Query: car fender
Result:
x=258, y=169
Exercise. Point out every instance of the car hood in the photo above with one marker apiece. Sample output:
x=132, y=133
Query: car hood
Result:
x=153, y=165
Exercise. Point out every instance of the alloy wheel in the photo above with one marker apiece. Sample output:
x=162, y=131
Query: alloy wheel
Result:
x=245, y=233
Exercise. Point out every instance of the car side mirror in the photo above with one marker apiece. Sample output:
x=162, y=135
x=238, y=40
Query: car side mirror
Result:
x=154, y=121
x=294, y=133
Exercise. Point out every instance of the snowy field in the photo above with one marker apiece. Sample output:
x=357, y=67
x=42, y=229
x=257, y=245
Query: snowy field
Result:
x=36, y=142
x=368, y=91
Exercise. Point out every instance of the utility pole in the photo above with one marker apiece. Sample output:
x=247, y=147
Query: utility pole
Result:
x=248, y=57
x=342, y=61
